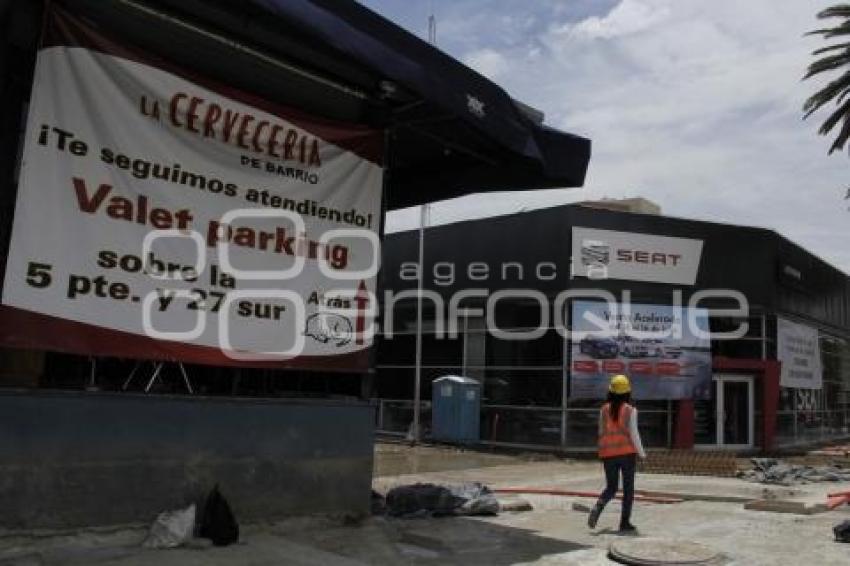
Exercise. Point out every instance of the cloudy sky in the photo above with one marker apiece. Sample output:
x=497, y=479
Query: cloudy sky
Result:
x=693, y=104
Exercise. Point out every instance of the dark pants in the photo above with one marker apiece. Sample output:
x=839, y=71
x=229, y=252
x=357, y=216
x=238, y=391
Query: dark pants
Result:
x=613, y=468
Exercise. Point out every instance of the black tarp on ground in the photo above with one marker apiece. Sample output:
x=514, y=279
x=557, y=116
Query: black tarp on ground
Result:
x=427, y=499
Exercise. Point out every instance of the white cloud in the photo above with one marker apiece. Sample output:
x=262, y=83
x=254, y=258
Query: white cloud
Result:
x=694, y=104
x=630, y=16
x=488, y=62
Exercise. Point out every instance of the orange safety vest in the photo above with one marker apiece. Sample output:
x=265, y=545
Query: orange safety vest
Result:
x=615, y=439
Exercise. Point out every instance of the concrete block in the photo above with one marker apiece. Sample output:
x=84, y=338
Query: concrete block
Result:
x=514, y=505
x=784, y=506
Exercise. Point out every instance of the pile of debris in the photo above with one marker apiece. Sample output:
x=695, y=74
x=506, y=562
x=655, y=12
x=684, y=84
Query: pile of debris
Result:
x=773, y=471
x=426, y=500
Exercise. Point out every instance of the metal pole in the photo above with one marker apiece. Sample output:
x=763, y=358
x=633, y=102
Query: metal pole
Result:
x=794, y=406
x=367, y=383
x=432, y=27
x=464, y=358
x=566, y=360
x=669, y=423
x=92, y=386
x=186, y=378
x=564, y=396
x=423, y=220
x=763, y=336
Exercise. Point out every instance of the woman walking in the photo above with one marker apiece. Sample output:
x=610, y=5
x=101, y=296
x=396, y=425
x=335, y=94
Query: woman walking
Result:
x=619, y=447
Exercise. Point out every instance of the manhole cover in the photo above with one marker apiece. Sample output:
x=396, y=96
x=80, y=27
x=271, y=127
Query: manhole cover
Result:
x=653, y=551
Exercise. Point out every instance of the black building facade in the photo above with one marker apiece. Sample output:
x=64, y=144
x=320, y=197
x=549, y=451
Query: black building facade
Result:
x=527, y=384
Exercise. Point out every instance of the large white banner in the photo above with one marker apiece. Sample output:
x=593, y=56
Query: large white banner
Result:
x=798, y=349
x=155, y=207
x=609, y=254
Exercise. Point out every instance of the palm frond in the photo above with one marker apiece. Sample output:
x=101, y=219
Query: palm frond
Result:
x=837, y=11
x=828, y=33
x=831, y=48
x=844, y=134
x=826, y=94
x=833, y=58
x=829, y=63
x=834, y=118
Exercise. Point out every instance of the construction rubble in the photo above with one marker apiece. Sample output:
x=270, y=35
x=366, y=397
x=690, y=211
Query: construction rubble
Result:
x=773, y=471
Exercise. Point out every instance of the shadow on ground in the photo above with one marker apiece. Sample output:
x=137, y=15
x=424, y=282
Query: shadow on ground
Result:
x=449, y=540
x=376, y=541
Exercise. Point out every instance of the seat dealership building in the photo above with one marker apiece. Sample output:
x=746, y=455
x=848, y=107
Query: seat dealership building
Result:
x=734, y=337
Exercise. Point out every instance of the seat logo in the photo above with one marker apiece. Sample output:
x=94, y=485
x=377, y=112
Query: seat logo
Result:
x=595, y=253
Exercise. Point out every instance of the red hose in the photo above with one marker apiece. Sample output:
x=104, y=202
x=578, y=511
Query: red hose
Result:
x=539, y=491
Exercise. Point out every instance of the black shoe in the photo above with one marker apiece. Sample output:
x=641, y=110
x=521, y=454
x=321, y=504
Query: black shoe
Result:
x=628, y=528
x=593, y=517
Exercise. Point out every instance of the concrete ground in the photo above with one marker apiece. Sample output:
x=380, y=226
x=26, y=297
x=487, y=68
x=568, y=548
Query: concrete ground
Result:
x=552, y=533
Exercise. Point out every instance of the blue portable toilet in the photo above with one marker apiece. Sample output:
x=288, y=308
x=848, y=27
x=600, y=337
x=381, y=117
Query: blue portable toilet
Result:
x=455, y=409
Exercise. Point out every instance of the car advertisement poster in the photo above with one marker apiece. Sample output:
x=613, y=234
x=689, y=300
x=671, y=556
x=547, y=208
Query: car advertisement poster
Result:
x=162, y=215
x=664, y=350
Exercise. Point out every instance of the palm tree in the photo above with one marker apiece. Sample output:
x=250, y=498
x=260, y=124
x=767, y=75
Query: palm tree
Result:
x=835, y=57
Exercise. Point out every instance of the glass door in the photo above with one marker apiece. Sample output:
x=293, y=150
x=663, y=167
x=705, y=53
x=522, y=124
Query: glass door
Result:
x=737, y=417
x=727, y=419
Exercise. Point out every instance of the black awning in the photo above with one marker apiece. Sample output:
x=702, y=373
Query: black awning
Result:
x=454, y=131
x=419, y=67
x=538, y=156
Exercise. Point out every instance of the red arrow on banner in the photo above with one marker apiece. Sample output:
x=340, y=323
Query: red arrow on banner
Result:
x=362, y=300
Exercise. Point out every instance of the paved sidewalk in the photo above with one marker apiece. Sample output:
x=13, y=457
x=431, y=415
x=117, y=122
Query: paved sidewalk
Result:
x=553, y=533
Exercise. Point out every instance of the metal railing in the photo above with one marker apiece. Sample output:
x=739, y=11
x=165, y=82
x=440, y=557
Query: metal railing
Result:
x=533, y=426
x=805, y=427
x=525, y=425
x=395, y=417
